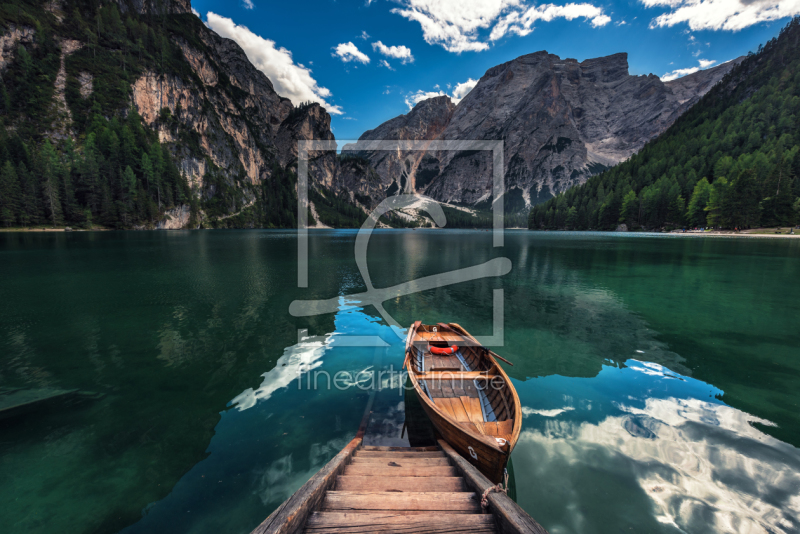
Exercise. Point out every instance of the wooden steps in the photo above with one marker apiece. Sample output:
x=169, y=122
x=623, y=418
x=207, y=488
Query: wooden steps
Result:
x=400, y=490
x=399, y=524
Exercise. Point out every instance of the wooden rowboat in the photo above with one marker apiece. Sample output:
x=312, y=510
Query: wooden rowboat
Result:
x=467, y=395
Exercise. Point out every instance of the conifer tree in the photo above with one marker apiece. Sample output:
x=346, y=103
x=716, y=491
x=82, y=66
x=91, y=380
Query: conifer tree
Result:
x=49, y=166
x=695, y=213
x=9, y=194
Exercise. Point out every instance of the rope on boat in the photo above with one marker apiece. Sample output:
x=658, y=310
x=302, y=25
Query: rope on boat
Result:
x=495, y=489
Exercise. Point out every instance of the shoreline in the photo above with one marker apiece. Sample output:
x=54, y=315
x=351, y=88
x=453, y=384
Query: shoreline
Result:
x=762, y=233
x=730, y=234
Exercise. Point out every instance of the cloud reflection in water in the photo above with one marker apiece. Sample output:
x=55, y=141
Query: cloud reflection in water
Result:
x=296, y=360
x=703, y=466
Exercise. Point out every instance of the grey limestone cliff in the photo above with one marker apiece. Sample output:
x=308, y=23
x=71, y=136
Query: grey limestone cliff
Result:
x=560, y=121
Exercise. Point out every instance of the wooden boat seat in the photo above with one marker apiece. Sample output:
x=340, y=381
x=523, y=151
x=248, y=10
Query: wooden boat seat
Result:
x=453, y=375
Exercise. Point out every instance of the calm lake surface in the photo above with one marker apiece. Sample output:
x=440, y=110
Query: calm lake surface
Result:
x=659, y=376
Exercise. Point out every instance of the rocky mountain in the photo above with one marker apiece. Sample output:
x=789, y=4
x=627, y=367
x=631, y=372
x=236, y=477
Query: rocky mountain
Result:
x=732, y=160
x=561, y=121
x=72, y=71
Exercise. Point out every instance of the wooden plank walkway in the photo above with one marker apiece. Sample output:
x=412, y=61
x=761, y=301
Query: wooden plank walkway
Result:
x=396, y=490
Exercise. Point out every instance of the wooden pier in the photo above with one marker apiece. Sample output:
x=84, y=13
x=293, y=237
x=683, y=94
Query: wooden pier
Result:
x=394, y=490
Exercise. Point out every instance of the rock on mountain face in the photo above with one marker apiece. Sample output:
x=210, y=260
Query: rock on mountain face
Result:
x=240, y=123
x=560, y=121
x=427, y=120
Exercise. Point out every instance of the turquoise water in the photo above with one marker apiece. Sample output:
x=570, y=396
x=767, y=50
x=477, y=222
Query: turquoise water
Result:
x=658, y=375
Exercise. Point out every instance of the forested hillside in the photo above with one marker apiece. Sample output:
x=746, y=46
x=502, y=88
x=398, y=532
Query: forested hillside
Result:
x=131, y=114
x=731, y=161
x=104, y=166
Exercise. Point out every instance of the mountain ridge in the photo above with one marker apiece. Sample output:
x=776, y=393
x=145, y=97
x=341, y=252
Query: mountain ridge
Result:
x=560, y=120
x=731, y=161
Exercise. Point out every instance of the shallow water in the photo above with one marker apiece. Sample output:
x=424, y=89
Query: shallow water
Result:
x=658, y=375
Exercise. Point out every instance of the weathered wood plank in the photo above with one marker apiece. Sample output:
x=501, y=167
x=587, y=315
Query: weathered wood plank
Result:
x=400, y=449
x=436, y=484
x=373, y=470
x=389, y=523
x=443, y=403
x=459, y=411
x=399, y=454
x=377, y=501
x=473, y=409
x=405, y=462
x=453, y=375
x=510, y=517
x=290, y=516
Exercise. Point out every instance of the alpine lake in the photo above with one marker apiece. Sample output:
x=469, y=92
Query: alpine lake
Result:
x=659, y=375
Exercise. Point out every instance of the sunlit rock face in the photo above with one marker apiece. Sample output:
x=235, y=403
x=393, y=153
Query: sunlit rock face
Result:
x=560, y=120
x=233, y=115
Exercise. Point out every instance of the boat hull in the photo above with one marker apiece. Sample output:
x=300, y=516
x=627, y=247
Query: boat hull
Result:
x=486, y=459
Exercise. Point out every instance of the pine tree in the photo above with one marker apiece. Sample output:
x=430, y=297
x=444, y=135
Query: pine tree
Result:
x=9, y=194
x=720, y=204
x=629, y=213
x=745, y=192
x=696, y=212
x=29, y=213
x=49, y=182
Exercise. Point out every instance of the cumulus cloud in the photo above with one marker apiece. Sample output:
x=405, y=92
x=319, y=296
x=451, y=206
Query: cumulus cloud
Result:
x=398, y=52
x=384, y=63
x=348, y=52
x=457, y=25
x=721, y=14
x=248, y=4
x=458, y=93
x=289, y=79
x=196, y=13
x=461, y=90
x=415, y=98
x=678, y=73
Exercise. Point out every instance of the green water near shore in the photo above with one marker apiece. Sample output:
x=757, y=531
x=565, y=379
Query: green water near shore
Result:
x=659, y=376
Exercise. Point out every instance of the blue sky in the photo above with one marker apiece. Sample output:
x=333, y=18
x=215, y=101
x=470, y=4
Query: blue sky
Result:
x=366, y=61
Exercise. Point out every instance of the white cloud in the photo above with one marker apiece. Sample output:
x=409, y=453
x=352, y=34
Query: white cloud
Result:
x=600, y=20
x=462, y=89
x=522, y=23
x=289, y=79
x=348, y=52
x=384, y=63
x=458, y=93
x=196, y=13
x=620, y=23
x=721, y=14
x=248, y=4
x=415, y=98
x=678, y=73
x=398, y=52
x=364, y=35
x=456, y=25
